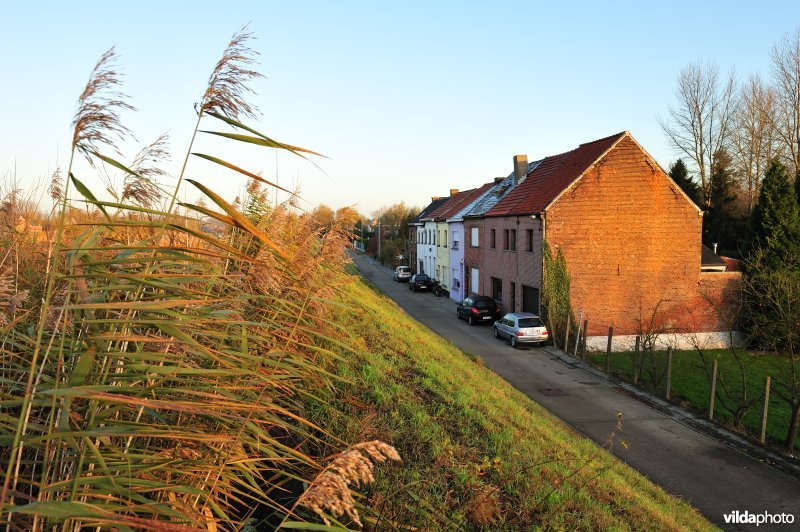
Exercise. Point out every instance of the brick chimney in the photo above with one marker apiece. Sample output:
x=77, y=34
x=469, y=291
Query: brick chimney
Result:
x=434, y=198
x=498, y=179
x=520, y=168
x=453, y=192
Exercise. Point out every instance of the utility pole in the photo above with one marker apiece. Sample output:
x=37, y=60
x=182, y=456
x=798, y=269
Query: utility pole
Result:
x=379, y=239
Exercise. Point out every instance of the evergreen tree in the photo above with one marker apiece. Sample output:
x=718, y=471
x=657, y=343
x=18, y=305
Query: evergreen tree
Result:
x=680, y=174
x=723, y=224
x=775, y=222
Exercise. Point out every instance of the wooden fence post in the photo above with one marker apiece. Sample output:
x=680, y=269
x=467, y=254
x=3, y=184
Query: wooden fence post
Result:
x=608, y=349
x=669, y=373
x=713, y=394
x=583, y=346
x=578, y=334
x=636, y=361
x=566, y=334
x=763, y=437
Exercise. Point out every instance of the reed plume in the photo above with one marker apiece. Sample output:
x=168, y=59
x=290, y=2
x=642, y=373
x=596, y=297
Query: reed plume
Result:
x=142, y=188
x=96, y=120
x=56, y=188
x=228, y=83
x=330, y=491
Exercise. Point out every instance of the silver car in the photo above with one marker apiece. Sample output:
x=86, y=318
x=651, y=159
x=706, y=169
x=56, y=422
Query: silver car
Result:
x=402, y=273
x=521, y=328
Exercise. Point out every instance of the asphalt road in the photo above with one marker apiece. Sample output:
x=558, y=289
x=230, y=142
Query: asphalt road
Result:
x=712, y=476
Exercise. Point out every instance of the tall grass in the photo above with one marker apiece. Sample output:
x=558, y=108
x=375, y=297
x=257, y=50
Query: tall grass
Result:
x=157, y=378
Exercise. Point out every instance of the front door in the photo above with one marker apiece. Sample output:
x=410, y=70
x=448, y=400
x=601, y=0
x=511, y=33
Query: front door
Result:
x=530, y=299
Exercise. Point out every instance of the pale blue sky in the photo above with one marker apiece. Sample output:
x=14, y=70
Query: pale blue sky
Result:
x=409, y=99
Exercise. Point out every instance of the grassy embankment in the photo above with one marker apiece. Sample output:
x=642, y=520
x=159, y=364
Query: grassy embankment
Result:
x=691, y=385
x=476, y=452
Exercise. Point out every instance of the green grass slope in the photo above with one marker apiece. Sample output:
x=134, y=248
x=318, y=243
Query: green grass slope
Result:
x=477, y=454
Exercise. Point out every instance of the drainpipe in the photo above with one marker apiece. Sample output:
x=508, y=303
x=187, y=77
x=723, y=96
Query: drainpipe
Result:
x=542, y=219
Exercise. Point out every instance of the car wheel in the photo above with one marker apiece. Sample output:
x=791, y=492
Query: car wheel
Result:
x=470, y=321
x=514, y=342
x=458, y=315
x=496, y=333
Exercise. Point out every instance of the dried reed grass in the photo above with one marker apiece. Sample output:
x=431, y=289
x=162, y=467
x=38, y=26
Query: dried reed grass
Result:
x=228, y=83
x=330, y=493
x=97, y=121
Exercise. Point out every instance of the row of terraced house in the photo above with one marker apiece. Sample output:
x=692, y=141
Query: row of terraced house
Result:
x=630, y=236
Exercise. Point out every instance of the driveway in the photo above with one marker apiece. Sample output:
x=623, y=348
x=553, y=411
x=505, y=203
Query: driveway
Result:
x=712, y=476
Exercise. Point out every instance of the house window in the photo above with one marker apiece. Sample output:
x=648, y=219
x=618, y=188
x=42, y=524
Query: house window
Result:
x=473, y=240
x=444, y=242
x=529, y=240
x=505, y=239
x=497, y=289
x=455, y=240
x=513, y=242
x=492, y=239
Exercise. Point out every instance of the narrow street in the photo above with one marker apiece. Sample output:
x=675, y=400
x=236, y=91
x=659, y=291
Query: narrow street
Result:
x=712, y=476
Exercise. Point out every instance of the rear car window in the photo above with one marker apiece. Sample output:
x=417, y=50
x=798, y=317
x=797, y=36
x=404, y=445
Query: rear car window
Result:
x=524, y=323
x=484, y=304
x=404, y=269
x=422, y=277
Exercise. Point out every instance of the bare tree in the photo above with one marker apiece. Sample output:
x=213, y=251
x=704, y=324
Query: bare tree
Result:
x=754, y=141
x=786, y=77
x=699, y=124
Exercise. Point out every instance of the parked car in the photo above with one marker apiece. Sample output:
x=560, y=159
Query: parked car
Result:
x=402, y=274
x=420, y=281
x=521, y=328
x=477, y=309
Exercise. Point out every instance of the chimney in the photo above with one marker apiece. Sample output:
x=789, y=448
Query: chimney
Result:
x=498, y=179
x=434, y=198
x=453, y=192
x=520, y=168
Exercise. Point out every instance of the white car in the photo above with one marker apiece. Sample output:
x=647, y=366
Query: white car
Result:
x=402, y=273
x=521, y=328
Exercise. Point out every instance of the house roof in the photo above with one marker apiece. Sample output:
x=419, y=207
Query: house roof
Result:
x=474, y=198
x=708, y=258
x=424, y=212
x=454, y=205
x=550, y=178
x=497, y=192
x=449, y=203
x=467, y=197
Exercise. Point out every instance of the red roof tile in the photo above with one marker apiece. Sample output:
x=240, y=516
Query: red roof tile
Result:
x=550, y=178
x=466, y=200
x=451, y=203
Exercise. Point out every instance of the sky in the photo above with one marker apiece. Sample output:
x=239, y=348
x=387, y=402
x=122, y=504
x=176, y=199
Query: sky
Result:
x=406, y=99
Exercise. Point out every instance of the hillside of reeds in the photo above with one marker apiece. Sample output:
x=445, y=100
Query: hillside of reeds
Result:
x=211, y=366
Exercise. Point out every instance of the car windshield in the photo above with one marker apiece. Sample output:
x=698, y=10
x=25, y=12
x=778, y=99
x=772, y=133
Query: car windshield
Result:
x=524, y=323
x=484, y=304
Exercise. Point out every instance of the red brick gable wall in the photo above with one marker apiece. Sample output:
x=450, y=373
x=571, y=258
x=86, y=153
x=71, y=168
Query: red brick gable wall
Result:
x=632, y=240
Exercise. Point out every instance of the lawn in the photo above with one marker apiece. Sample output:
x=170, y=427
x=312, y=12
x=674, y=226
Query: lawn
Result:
x=477, y=454
x=691, y=384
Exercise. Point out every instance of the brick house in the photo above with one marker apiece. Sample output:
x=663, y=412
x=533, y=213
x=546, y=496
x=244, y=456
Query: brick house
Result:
x=477, y=239
x=630, y=236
